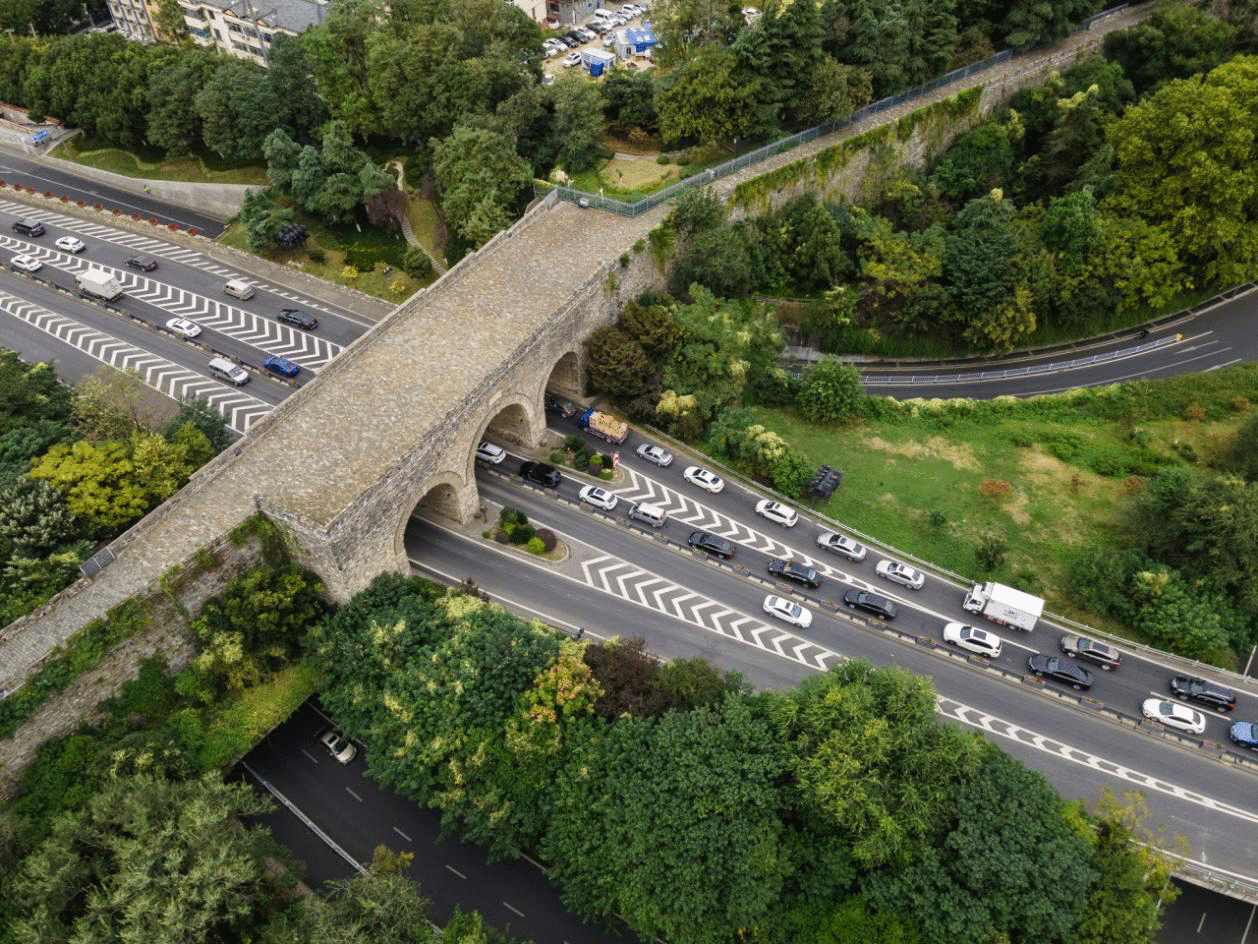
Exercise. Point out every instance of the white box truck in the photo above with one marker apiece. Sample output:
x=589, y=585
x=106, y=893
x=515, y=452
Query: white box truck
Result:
x=1004, y=605
x=97, y=283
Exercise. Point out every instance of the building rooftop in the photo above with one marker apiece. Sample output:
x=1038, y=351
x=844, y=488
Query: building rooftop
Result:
x=293, y=16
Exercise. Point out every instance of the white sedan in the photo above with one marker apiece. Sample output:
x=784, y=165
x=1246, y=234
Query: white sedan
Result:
x=704, y=479
x=788, y=611
x=777, y=512
x=183, y=327
x=70, y=244
x=973, y=639
x=1175, y=715
x=841, y=544
x=26, y=263
x=902, y=574
x=598, y=497
x=488, y=452
x=659, y=456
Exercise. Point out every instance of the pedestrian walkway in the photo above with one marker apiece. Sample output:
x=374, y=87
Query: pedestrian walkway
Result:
x=408, y=231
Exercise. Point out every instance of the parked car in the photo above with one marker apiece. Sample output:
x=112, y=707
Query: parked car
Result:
x=143, y=263
x=572, y=59
x=704, y=479
x=788, y=611
x=795, y=573
x=298, y=318
x=26, y=263
x=598, y=497
x=841, y=544
x=586, y=33
x=488, y=452
x=1081, y=647
x=902, y=574
x=183, y=327
x=777, y=512
x=872, y=603
x=1059, y=670
x=705, y=541
x=1174, y=715
x=1244, y=734
x=609, y=40
x=1210, y=694
x=559, y=405
x=70, y=244
x=280, y=365
x=338, y=745
x=541, y=474
x=655, y=454
x=972, y=639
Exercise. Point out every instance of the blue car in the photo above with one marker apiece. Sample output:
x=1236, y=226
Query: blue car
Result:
x=281, y=365
x=1244, y=734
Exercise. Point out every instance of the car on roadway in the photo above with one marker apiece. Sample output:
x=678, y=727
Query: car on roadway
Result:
x=143, y=263
x=541, y=474
x=280, y=365
x=841, y=544
x=788, y=611
x=488, y=452
x=572, y=59
x=183, y=327
x=1059, y=670
x=656, y=454
x=706, y=541
x=26, y=263
x=300, y=319
x=1081, y=647
x=706, y=480
x=70, y=244
x=874, y=604
x=900, y=573
x=778, y=513
x=1244, y=734
x=1203, y=692
x=338, y=745
x=972, y=639
x=1174, y=714
x=558, y=405
x=795, y=573
x=598, y=497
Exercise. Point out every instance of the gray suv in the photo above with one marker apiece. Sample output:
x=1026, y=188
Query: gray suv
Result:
x=1098, y=653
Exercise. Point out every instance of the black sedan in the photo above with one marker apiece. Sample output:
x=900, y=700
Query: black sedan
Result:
x=143, y=263
x=872, y=603
x=1059, y=670
x=704, y=541
x=1210, y=694
x=796, y=573
x=293, y=316
x=541, y=474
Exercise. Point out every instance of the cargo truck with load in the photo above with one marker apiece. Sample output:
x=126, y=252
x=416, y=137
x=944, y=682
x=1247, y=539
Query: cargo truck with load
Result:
x=1004, y=605
x=604, y=426
x=97, y=283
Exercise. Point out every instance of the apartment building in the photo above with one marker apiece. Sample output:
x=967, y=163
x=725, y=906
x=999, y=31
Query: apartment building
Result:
x=241, y=28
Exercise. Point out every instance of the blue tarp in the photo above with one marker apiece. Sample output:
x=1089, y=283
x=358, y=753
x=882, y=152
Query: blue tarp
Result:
x=639, y=38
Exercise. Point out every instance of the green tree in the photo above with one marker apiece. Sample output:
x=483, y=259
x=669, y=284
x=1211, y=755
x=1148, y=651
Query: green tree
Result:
x=30, y=393
x=337, y=50
x=34, y=519
x=617, y=364
x=1028, y=24
x=237, y=107
x=479, y=178
x=98, y=481
x=706, y=99
x=981, y=267
x=833, y=91
x=1070, y=228
x=1242, y=454
x=578, y=122
x=291, y=77
x=372, y=908
x=831, y=392
x=263, y=219
x=629, y=100
x=976, y=162
x=792, y=473
x=1173, y=43
x=174, y=124
x=200, y=413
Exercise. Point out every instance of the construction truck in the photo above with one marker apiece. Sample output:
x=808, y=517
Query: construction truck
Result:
x=604, y=426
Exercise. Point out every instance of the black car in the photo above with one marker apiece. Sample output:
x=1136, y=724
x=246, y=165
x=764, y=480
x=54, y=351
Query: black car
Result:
x=143, y=263
x=711, y=543
x=542, y=474
x=1081, y=647
x=562, y=407
x=796, y=573
x=1059, y=670
x=1206, y=693
x=299, y=318
x=872, y=603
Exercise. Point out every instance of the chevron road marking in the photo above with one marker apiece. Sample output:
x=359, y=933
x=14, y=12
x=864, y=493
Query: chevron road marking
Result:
x=240, y=409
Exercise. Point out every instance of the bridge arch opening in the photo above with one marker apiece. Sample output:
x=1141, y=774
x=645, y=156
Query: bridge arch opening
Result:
x=567, y=376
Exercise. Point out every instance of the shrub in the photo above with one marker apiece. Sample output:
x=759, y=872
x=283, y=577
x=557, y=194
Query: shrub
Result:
x=1133, y=484
x=606, y=475
x=1195, y=413
x=558, y=456
x=573, y=443
x=81, y=202
x=522, y=534
x=535, y=545
x=415, y=263
x=548, y=539
x=989, y=553
x=172, y=227
x=152, y=221
x=349, y=273
x=641, y=244
x=624, y=260
x=831, y=392
x=662, y=159
x=1021, y=439
x=994, y=489
x=582, y=460
x=17, y=186
x=1066, y=446
x=938, y=519
x=596, y=465
x=98, y=206
x=65, y=199
x=191, y=232
x=135, y=216
x=683, y=160
x=502, y=537
x=48, y=194
x=316, y=255
x=1239, y=404
x=511, y=516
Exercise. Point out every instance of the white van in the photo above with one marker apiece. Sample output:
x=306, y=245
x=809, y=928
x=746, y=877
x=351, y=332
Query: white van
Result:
x=239, y=288
x=650, y=514
x=224, y=369
x=604, y=14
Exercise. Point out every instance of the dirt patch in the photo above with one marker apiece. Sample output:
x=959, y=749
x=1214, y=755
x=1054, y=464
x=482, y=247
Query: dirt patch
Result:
x=635, y=173
x=958, y=455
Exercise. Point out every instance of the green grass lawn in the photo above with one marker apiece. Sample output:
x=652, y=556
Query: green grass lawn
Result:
x=153, y=165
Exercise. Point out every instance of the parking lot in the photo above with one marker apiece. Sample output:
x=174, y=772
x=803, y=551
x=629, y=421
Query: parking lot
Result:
x=563, y=53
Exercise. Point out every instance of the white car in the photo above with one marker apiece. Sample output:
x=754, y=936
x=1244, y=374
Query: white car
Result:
x=70, y=244
x=704, y=479
x=841, y=544
x=1175, y=715
x=598, y=497
x=655, y=454
x=338, y=746
x=609, y=40
x=183, y=327
x=777, y=512
x=488, y=452
x=972, y=639
x=26, y=263
x=572, y=59
x=585, y=32
x=788, y=611
x=902, y=574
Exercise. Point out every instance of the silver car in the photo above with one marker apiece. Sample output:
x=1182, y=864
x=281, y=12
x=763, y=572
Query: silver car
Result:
x=841, y=544
x=655, y=454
